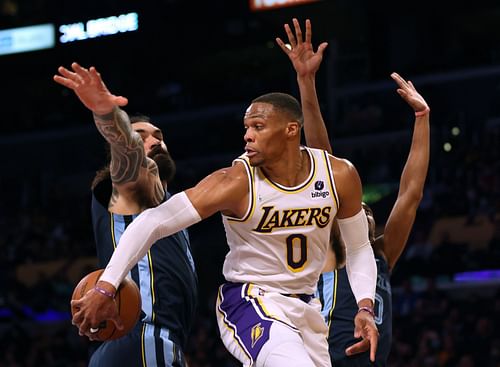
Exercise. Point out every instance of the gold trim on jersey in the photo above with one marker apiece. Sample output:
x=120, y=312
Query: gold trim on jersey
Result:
x=331, y=180
x=299, y=188
x=112, y=227
x=336, y=277
x=251, y=187
x=151, y=280
x=143, y=345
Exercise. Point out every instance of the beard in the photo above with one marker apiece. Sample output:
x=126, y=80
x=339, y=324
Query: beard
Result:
x=165, y=163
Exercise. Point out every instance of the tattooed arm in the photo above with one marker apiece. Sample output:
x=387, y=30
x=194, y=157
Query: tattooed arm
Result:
x=136, y=183
x=127, y=148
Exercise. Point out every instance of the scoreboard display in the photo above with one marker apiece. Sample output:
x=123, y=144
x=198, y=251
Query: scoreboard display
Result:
x=258, y=5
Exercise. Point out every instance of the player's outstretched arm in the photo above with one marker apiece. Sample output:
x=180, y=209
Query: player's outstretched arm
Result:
x=128, y=159
x=411, y=186
x=306, y=63
x=225, y=190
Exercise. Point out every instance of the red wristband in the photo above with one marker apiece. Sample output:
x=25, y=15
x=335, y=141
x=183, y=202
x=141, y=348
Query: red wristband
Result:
x=367, y=309
x=104, y=292
x=423, y=112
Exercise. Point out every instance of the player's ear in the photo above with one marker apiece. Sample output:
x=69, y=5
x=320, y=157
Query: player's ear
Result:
x=293, y=128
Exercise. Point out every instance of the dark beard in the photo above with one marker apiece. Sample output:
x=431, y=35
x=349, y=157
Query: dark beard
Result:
x=165, y=163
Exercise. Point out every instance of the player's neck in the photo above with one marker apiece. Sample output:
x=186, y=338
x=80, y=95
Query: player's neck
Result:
x=291, y=170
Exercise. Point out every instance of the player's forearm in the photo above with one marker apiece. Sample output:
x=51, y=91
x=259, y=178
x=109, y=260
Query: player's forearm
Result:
x=315, y=131
x=416, y=167
x=127, y=149
x=361, y=267
x=115, y=127
x=170, y=217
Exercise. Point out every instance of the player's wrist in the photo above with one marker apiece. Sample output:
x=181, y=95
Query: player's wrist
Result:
x=110, y=115
x=366, y=309
x=423, y=112
x=105, y=289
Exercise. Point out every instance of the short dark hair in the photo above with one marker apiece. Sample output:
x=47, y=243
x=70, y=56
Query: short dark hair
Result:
x=139, y=118
x=285, y=103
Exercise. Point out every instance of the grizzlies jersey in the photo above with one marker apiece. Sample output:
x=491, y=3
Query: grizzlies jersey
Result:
x=165, y=275
x=339, y=308
x=280, y=243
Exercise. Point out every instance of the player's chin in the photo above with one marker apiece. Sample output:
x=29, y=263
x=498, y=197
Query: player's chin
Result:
x=255, y=162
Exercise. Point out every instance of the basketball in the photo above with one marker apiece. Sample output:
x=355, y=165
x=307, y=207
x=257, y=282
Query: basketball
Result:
x=127, y=298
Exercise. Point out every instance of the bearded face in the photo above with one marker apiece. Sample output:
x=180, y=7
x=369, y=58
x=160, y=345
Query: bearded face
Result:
x=165, y=163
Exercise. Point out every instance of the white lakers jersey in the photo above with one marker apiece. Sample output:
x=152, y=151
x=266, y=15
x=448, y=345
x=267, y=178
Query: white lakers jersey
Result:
x=280, y=244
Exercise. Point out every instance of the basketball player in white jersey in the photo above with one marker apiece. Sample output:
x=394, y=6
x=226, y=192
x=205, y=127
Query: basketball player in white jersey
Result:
x=278, y=201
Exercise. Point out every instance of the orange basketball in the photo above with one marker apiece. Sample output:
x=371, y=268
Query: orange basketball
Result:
x=127, y=298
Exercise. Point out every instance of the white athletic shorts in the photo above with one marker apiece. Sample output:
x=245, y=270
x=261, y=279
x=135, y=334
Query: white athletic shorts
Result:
x=269, y=329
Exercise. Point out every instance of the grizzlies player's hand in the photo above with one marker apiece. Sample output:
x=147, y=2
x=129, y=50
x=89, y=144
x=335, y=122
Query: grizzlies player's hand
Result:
x=364, y=328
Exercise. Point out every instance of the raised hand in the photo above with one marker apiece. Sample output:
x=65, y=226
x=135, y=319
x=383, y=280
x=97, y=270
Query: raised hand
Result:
x=408, y=92
x=301, y=53
x=90, y=88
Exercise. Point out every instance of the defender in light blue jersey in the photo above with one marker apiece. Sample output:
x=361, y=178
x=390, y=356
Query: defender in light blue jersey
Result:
x=340, y=309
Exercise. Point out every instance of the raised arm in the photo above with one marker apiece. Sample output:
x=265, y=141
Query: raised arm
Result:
x=306, y=63
x=129, y=163
x=411, y=186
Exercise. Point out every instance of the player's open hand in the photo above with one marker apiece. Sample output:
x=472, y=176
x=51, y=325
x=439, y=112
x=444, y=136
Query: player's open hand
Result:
x=364, y=328
x=301, y=53
x=90, y=88
x=408, y=92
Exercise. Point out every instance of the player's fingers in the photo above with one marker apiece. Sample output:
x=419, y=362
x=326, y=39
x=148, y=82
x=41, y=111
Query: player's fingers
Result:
x=121, y=101
x=308, y=31
x=321, y=48
x=373, y=345
x=357, y=331
x=66, y=73
x=118, y=322
x=411, y=85
x=298, y=31
x=83, y=327
x=81, y=71
x=359, y=347
x=94, y=74
x=400, y=81
x=65, y=82
x=282, y=45
x=402, y=93
x=291, y=37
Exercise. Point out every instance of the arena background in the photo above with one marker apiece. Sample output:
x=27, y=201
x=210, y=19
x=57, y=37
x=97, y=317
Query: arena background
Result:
x=194, y=66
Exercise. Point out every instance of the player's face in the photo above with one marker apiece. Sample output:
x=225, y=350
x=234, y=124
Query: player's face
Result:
x=156, y=149
x=152, y=138
x=265, y=134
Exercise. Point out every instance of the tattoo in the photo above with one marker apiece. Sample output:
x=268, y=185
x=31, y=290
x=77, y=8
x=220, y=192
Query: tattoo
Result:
x=127, y=149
